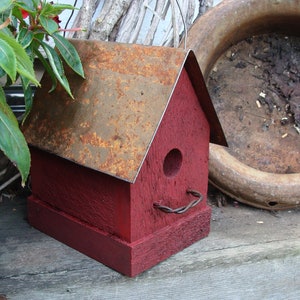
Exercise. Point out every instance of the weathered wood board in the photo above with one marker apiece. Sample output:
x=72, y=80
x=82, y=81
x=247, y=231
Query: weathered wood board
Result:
x=249, y=254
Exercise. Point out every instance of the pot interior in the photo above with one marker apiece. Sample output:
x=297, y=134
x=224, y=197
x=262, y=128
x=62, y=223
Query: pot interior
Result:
x=255, y=87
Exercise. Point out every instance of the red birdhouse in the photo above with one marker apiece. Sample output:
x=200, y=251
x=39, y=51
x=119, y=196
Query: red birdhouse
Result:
x=120, y=173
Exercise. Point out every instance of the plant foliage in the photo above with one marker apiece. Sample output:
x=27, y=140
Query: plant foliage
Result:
x=26, y=26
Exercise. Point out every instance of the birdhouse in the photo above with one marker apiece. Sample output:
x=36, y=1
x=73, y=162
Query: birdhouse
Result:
x=120, y=173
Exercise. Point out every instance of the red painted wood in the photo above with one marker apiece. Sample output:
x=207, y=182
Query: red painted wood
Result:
x=93, y=197
x=184, y=127
x=83, y=237
x=86, y=209
x=127, y=258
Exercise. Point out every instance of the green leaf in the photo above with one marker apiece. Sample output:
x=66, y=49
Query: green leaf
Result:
x=28, y=5
x=12, y=141
x=5, y=4
x=24, y=64
x=58, y=8
x=8, y=61
x=25, y=37
x=2, y=72
x=17, y=18
x=8, y=81
x=49, y=25
x=57, y=67
x=47, y=67
x=7, y=32
x=21, y=68
x=28, y=97
x=16, y=12
x=69, y=53
x=52, y=10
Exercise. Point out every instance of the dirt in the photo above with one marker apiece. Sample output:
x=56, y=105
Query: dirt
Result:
x=255, y=88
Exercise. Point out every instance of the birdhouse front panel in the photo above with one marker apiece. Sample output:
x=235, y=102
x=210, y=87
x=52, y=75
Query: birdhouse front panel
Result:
x=176, y=163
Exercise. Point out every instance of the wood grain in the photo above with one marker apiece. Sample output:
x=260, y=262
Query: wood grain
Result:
x=249, y=254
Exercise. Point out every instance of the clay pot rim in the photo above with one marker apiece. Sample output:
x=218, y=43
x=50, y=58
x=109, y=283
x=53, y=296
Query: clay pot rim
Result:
x=226, y=24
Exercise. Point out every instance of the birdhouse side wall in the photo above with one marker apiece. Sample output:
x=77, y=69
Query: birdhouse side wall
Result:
x=177, y=161
x=90, y=196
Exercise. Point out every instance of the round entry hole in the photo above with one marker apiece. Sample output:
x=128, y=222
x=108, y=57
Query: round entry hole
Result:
x=172, y=163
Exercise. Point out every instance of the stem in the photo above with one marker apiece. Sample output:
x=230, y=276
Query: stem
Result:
x=9, y=181
x=5, y=24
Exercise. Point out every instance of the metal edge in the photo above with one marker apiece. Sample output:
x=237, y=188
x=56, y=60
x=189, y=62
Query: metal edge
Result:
x=217, y=135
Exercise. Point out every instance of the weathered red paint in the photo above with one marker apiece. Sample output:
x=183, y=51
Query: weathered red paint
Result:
x=127, y=258
x=113, y=220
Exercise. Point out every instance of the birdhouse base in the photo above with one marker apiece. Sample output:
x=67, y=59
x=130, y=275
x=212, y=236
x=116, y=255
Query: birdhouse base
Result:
x=127, y=258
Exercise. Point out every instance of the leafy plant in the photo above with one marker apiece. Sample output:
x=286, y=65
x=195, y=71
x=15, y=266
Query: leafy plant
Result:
x=26, y=26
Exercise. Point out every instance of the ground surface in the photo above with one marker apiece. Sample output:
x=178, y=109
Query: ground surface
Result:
x=249, y=254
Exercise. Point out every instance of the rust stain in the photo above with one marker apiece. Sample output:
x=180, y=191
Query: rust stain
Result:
x=93, y=66
x=111, y=122
x=119, y=88
x=134, y=60
x=86, y=101
x=85, y=125
x=93, y=139
x=84, y=155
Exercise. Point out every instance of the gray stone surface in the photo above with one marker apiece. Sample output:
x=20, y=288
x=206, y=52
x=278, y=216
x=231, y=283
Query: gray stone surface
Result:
x=249, y=254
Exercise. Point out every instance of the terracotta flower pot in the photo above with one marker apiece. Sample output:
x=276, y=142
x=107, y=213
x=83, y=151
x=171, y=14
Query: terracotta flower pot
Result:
x=210, y=37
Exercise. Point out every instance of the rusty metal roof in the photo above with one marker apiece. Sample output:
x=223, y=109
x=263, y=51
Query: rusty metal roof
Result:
x=117, y=109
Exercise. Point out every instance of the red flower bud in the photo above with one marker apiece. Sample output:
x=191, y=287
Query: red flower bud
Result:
x=56, y=19
x=25, y=13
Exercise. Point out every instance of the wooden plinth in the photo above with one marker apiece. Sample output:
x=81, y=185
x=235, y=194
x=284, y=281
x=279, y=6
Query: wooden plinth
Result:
x=127, y=258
